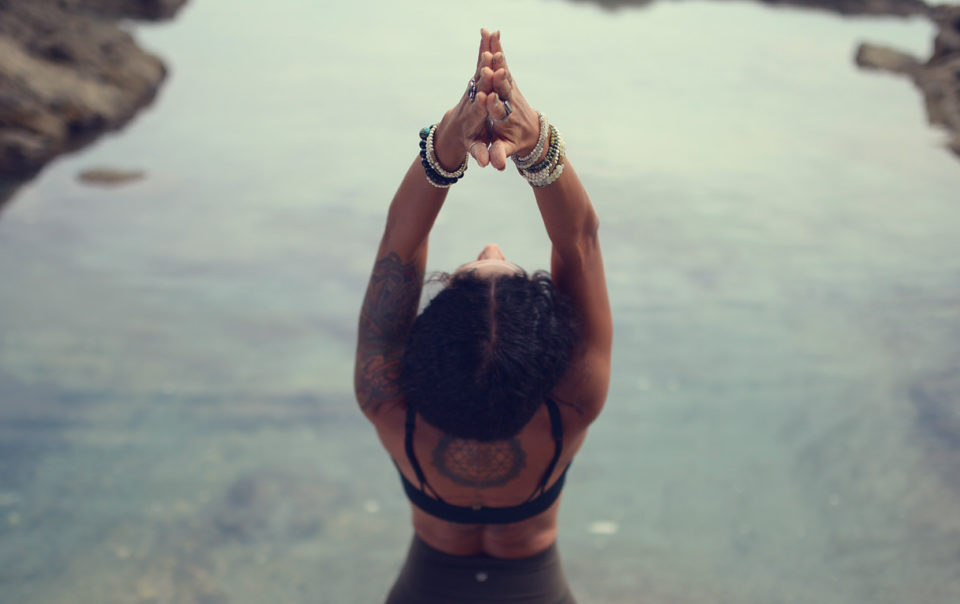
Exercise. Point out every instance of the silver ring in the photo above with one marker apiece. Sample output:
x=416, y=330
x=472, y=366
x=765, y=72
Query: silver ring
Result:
x=508, y=109
x=472, y=90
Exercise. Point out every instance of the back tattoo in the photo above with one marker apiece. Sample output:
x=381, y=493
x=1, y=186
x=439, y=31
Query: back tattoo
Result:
x=478, y=464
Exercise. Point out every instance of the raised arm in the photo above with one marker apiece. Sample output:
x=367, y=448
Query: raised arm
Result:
x=572, y=225
x=393, y=292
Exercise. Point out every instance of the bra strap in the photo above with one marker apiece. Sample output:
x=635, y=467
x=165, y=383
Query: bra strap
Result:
x=556, y=430
x=408, y=443
x=411, y=456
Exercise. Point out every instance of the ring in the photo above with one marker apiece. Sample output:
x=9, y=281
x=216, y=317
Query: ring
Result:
x=472, y=90
x=471, y=146
x=508, y=109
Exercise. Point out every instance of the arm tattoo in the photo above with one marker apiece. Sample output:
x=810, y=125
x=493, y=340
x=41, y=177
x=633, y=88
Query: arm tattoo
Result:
x=389, y=309
x=479, y=464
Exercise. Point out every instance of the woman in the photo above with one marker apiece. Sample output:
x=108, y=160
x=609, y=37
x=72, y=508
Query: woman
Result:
x=483, y=400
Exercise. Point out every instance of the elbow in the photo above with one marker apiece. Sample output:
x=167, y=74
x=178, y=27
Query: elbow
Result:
x=591, y=226
x=588, y=237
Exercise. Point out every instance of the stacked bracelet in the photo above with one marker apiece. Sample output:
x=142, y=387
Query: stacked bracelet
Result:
x=549, y=169
x=435, y=173
x=529, y=160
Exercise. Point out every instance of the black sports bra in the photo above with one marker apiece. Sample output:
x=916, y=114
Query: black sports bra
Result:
x=541, y=499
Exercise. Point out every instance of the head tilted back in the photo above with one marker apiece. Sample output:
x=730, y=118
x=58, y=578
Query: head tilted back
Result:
x=486, y=352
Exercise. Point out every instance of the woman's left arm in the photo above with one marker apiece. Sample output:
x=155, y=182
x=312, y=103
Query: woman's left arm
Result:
x=393, y=292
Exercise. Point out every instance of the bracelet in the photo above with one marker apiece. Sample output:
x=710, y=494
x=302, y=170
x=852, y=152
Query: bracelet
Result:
x=434, y=172
x=550, y=178
x=549, y=170
x=528, y=160
x=435, y=163
x=552, y=151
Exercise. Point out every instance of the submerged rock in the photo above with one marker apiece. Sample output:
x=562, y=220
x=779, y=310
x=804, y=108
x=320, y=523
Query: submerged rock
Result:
x=874, y=56
x=109, y=176
x=67, y=74
x=267, y=505
x=937, y=405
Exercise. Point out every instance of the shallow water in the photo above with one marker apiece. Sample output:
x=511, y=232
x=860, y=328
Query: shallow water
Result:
x=176, y=412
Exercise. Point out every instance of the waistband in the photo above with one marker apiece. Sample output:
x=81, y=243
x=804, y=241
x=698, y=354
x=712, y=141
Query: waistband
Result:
x=420, y=549
x=430, y=576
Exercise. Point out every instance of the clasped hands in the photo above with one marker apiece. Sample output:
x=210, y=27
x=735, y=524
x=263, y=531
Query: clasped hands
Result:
x=481, y=123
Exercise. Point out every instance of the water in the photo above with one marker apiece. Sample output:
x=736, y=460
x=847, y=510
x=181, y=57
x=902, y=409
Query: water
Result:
x=176, y=412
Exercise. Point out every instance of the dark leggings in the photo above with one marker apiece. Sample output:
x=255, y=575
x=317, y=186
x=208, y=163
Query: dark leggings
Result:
x=430, y=576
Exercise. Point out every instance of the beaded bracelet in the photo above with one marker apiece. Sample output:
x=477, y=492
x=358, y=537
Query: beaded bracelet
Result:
x=435, y=173
x=435, y=163
x=549, y=178
x=528, y=160
x=550, y=168
x=552, y=151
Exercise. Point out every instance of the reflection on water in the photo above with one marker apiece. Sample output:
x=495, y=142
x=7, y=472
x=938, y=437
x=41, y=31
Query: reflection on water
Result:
x=176, y=413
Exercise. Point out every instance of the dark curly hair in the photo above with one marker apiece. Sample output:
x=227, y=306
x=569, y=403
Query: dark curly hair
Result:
x=485, y=353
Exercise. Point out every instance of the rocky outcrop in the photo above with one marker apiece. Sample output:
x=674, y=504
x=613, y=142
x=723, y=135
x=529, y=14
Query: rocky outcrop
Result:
x=69, y=73
x=938, y=78
x=901, y=8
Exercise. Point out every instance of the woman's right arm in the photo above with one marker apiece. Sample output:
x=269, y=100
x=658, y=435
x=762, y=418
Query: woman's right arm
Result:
x=577, y=269
x=572, y=225
x=393, y=291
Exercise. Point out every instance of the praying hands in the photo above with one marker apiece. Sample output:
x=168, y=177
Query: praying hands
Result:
x=493, y=120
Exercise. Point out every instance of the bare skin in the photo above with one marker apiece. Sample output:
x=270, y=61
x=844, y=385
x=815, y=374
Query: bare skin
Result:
x=464, y=472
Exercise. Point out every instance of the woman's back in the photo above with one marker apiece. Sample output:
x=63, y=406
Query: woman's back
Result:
x=503, y=477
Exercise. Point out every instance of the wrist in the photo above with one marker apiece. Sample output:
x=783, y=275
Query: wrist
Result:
x=448, y=148
x=543, y=153
x=537, y=134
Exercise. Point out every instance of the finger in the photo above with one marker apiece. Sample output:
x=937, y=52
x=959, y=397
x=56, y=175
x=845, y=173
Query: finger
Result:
x=498, y=61
x=486, y=59
x=484, y=47
x=478, y=150
x=503, y=84
x=498, y=153
x=495, y=108
x=495, y=42
x=486, y=77
x=479, y=107
x=485, y=81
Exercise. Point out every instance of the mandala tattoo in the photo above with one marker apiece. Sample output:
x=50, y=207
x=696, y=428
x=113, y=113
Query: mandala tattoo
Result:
x=388, y=311
x=479, y=464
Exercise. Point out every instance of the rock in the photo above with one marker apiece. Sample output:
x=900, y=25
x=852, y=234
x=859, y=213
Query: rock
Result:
x=938, y=78
x=901, y=8
x=940, y=83
x=67, y=74
x=872, y=56
x=268, y=505
x=936, y=401
x=137, y=9
x=947, y=42
x=109, y=176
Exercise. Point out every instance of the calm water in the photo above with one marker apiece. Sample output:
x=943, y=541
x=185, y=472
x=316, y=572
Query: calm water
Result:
x=780, y=231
